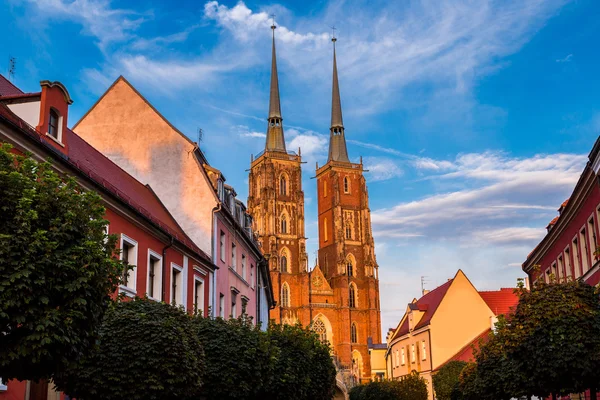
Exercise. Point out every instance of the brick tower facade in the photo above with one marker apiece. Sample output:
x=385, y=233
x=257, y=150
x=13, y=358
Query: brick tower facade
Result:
x=276, y=202
x=346, y=247
x=339, y=298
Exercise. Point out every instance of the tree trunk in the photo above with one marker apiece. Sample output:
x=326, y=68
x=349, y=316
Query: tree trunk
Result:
x=553, y=396
x=593, y=393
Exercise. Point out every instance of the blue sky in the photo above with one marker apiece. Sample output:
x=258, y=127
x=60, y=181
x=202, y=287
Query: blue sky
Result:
x=474, y=117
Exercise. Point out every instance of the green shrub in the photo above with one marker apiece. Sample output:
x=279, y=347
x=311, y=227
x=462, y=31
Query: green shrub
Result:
x=446, y=379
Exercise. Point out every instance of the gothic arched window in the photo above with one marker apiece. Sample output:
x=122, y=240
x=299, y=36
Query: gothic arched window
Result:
x=283, y=185
x=350, y=268
x=285, y=295
x=284, y=264
x=324, y=188
x=319, y=328
x=348, y=231
x=353, y=336
x=346, y=185
x=352, y=296
x=283, y=224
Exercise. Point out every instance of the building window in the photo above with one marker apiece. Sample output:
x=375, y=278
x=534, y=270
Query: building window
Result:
x=251, y=275
x=244, y=266
x=285, y=295
x=258, y=186
x=154, y=275
x=319, y=328
x=325, y=229
x=561, y=269
x=324, y=188
x=283, y=224
x=283, y=261
x=283, y=185
x=350, y=268
x=222, y=246
x=413, y=356
x=176, y=285
x=129, y=255
x=592, y=239
x=233, y=256
x=348, y=232
x=222, y=305
x=396, y=358
x=198, y=294
x=423, y=351
x=353, y=337
x=244, y=305
x=233, y=305
x=352, y=296
x=576, y=259
x=403, y=357
x=584, y=251
x=53, y=124
x=568, y=271
x=346, y=185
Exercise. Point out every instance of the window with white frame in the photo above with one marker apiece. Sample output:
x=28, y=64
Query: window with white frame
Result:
x=222, y=246
x=55, y=125
x=233, y=305
x=423, y=351
x=177, y=283
x=568, y=271
x=244, y=266
x=198, y=294
x=233, y=256
x=583, y=248
x=413, y=356
x=591, y=231
x=154, y=275
x=396, y=358
x=403, y=356
x=129, y=254
x=576, y=258
x=222, y=305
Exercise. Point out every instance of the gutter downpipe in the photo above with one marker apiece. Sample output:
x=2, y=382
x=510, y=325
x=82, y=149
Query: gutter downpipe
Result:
x=164, y=269
x=214, y=247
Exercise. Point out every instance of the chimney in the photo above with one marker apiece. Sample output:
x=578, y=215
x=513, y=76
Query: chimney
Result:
x=54, y=112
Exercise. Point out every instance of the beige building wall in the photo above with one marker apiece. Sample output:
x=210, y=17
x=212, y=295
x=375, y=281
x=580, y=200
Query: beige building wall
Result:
x=128, y=130
x=462, y=316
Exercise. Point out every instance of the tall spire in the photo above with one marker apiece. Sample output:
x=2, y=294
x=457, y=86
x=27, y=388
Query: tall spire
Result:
x=337, y=139
x=275, y=140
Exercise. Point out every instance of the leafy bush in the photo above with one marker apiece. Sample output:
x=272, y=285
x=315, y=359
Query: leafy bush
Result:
x=146, y=351
x=303, y=367
x=446, y=379
x=239, y=358
x=410, y=387
x=57, y=268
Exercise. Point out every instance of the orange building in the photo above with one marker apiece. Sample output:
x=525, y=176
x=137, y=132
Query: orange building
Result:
x=339, y=298
x=442, y=326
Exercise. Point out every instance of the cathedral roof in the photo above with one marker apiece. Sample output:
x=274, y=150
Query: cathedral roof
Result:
x=337, y=139
x=275, y=139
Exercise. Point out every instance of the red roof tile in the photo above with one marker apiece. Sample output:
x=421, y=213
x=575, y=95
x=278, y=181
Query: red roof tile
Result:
x=502, y=301
x=109, y=175
x=7, y=88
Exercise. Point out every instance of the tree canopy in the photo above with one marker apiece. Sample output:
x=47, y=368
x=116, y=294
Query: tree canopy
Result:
x=146, y=351
x=57, y=268
x=446, y=379
x=410, y=387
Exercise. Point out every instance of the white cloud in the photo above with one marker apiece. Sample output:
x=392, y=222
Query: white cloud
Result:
x=501, y=192
x=568, y=58
x=381, y=169
x=312, y=144
x=244, y=131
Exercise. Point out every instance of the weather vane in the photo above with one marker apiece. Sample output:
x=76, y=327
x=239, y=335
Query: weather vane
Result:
x=273, y=21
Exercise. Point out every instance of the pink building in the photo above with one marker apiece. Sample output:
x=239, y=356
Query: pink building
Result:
x=168, y=265
x=570, y=249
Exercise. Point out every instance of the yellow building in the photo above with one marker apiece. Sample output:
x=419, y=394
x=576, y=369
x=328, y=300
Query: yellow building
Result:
x=439, y=326
x=377, y=353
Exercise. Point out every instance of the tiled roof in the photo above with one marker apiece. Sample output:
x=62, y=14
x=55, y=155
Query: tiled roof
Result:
x=466, y=353
x=429, y=304
x=502, y=301
x=7, y=88
x=564, y=204
x=111, y=177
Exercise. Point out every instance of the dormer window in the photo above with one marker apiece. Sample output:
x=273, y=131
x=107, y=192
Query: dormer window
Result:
x=53, y=124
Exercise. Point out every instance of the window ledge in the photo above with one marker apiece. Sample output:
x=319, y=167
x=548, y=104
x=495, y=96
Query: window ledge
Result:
x=55, y=139
x=129, y=292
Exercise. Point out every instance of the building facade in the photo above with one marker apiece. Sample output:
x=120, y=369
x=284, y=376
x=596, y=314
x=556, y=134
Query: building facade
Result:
x=442, y=325
x=570, y=249
x=168, y=266
x=339, y=297
x=125, y=127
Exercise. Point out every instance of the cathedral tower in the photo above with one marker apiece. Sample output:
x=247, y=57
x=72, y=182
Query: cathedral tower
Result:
x=276, y=202
x=346, y=249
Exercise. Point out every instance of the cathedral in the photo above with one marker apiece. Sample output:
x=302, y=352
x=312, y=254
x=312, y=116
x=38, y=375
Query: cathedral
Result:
x=339, y=297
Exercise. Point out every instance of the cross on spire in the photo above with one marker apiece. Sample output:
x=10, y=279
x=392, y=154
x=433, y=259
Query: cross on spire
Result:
x=273, y=26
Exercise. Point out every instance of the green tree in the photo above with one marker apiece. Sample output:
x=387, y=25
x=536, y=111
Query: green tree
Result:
x=412, y=387
x=303, y=368
x=57, y=268
x=239, y=358
x=446, y=379
x=555, y=339
x=146, y=351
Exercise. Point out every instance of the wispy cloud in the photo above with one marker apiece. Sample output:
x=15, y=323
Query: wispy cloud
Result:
x=381, y=169
x=244, y=131
x=568, y=58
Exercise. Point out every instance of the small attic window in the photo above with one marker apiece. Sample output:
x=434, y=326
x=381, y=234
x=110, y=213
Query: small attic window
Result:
x=53, y=124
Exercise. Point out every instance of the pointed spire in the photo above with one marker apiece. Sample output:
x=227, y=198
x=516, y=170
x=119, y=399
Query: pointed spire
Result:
x=337, y=139
x=275, y=140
